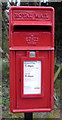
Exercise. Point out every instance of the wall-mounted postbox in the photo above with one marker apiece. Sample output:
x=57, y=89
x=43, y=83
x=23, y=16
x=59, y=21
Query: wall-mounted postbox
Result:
x=31, y=45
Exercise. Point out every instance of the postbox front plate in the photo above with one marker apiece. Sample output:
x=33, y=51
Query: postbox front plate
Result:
x=31, y=77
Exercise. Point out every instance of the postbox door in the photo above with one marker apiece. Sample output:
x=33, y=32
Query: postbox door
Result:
x=31, y=99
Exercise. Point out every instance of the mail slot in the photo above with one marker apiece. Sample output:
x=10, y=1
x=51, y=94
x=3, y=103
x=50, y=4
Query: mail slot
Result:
x=31, y=48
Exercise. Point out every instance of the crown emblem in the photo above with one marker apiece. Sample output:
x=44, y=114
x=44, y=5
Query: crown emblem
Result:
x=32, y=39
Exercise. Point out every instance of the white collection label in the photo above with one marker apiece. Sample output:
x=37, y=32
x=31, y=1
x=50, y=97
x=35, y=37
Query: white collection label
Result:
x=32, y=77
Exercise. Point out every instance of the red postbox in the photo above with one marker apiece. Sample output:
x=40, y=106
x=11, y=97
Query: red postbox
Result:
x=31, y=45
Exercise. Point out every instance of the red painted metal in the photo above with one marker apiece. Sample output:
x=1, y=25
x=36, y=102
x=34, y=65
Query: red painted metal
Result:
x=31, y=29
